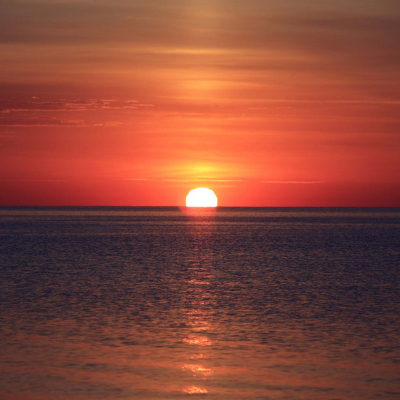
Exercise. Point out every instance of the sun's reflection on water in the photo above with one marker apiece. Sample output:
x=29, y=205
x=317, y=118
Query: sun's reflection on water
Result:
x=197, y=340
x=199, y=355
x=200, y=302
x=194, y=390
x=198, y=369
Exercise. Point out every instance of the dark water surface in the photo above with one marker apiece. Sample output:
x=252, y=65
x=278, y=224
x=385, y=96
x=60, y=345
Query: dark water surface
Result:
x=157, y=303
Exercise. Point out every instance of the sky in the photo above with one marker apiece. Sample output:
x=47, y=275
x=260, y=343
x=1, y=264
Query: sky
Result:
x=134, y=103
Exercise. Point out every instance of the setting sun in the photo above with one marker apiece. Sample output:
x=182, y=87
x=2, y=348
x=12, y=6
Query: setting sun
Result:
x=201, y=197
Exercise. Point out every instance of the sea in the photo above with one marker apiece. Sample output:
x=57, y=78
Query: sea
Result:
x=158, y=303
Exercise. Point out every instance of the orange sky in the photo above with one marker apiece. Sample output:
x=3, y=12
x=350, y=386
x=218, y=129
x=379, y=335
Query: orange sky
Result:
x=268, y=103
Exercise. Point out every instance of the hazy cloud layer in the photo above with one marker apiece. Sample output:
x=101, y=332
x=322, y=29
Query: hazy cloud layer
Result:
x=36, y=105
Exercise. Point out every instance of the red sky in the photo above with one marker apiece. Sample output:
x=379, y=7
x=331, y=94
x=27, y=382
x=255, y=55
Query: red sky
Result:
x=267, y=102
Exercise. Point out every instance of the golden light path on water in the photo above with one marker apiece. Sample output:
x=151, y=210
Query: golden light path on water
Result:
x=198, y=316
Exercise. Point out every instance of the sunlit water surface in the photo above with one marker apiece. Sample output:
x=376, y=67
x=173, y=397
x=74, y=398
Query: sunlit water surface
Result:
x=157, y=303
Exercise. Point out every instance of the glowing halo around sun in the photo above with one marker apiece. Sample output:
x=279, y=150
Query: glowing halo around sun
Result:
x=201, y=197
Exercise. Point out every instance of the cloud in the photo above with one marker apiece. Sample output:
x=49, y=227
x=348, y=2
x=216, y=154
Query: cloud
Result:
x=45, y=121
x=159, y=47
x=296, y=182
x=35, y=105
x=258, y=25
x=34, y=112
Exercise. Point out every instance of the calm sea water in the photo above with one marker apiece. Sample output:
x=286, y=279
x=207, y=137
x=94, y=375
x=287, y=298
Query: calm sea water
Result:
x=158, y=303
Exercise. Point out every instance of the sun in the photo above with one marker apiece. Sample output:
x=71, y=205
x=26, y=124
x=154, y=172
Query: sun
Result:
x=201, y=197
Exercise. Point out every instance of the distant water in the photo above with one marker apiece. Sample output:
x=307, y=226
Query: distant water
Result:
x=240, y=303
